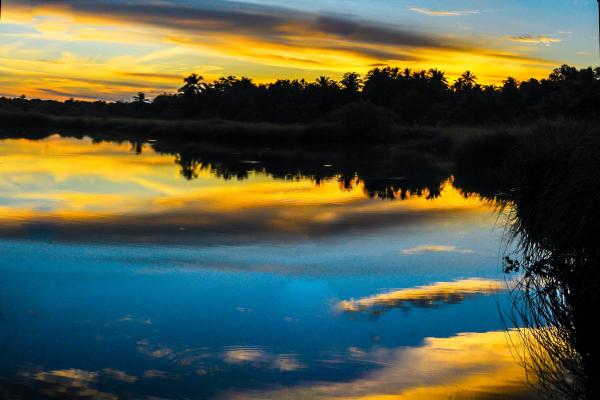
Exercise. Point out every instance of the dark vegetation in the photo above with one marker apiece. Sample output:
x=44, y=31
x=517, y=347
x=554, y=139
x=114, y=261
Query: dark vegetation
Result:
x=376, y=109
x=549, y=180
x=386, y=173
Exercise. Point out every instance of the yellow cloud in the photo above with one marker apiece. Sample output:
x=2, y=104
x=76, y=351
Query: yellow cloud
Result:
x=192, y=39
x=434, y=13
x=466, y=366
x=441, y=292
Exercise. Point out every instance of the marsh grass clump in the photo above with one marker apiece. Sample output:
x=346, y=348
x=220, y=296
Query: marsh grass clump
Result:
x=487, y=153
x=555, y=221
x=546, y=176
x=559, y=187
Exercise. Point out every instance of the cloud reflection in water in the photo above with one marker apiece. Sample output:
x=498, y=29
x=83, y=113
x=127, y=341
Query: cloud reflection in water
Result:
x=114, y=195
x=465, y=366
x=423, y=296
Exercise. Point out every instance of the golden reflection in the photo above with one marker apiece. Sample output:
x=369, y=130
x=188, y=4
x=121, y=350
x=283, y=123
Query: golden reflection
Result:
x=199, y=358
x=259, y=357
x=466, y=366
x=74, y=383
x=68, y=181
x=435, y=248
x=427, y=296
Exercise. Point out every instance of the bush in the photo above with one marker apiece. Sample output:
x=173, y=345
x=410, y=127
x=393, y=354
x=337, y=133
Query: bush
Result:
x=486, y=151
x=365, y=121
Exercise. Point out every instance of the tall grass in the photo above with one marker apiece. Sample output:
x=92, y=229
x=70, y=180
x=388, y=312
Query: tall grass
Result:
x=550, y=174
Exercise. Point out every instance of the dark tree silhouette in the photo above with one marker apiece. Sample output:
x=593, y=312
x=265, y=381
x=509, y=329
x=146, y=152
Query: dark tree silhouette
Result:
x=422, y=97
x=193, y=85
x=351, y=83
x=140, y=98
x=466, y=82
x=548, y=182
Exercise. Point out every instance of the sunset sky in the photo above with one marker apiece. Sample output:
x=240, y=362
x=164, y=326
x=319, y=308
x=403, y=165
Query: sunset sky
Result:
x=110, y=49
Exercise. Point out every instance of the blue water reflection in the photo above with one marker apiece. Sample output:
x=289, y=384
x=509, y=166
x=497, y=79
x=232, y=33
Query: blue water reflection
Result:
x=239, y=308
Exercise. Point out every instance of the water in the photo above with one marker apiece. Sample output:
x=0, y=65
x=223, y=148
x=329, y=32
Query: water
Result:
x=119, y=278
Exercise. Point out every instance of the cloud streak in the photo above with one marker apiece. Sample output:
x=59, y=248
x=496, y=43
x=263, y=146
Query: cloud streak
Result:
x=435, y=249
x=535, y=39
x=237, y=36
x=422, y=296
x=271, y=24
x=257, y=356
x=435, y=13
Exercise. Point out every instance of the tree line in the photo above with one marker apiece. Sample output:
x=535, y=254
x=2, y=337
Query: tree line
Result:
x=403, y=96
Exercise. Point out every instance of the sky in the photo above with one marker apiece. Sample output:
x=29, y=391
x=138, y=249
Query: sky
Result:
x=111, y=49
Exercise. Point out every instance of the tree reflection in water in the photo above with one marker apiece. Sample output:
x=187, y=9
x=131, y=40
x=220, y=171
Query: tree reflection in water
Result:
x=383, y=173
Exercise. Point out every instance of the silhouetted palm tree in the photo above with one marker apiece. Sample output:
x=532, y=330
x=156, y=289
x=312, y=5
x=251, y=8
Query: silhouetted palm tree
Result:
x=413, y=97
x=469, y=78
x=351, y=82
x=325, y=82
x=193, y=85
x=438, y=77
x=140, y=98
x=466, y=82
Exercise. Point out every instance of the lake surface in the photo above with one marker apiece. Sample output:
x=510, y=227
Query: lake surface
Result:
x=124, y=275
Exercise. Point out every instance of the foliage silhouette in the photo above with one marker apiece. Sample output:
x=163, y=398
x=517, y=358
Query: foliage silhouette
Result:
x=549, y=180
x=381, y=172
x=412, y=97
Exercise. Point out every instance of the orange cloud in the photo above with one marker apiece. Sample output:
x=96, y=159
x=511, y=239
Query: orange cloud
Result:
x=237, y=38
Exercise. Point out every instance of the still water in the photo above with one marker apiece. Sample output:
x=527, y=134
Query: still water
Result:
x=122, y=277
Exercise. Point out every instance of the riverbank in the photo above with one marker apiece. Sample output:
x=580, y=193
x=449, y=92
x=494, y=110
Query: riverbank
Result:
x=343, y=132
